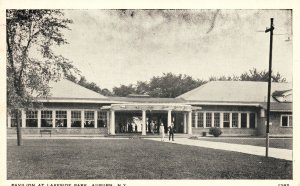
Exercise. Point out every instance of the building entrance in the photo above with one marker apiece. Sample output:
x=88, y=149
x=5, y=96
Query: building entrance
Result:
x=147, y=117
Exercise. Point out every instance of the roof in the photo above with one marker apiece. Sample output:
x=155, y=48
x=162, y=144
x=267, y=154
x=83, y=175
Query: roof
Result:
x=278, y=107
x=67, y=89
x=234, y=91
x=146, y=100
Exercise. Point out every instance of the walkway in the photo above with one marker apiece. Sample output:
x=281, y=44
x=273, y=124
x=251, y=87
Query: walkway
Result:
x=247, y=149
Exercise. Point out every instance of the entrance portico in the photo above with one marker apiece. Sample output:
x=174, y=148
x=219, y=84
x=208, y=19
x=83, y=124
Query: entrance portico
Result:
x=144, y=108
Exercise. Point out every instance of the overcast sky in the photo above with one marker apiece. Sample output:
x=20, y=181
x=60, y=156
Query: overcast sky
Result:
x=113, y=47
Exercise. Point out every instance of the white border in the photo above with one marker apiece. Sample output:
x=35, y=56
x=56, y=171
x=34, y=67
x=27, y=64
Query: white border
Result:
x=154, y=4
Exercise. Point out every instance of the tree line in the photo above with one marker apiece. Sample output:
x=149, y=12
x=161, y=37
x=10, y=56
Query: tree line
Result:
x=170, y=85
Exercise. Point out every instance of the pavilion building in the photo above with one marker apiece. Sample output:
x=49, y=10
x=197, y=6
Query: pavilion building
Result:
x=237, y=107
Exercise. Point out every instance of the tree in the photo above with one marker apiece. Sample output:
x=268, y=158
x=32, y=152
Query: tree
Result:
x=168, y=86
x=252, y=75
x=31, y=62
x=124, y=90
x=172, y=85
x=255, y=75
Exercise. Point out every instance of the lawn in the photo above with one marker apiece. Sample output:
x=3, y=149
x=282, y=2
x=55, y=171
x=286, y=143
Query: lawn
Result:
x=134, y=159
x=284, y=143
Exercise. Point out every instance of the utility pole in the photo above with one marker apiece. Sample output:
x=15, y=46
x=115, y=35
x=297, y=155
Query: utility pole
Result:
x=269, y=86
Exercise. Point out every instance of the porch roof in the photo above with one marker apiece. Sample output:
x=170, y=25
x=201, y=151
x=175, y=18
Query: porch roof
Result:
x=150, y=107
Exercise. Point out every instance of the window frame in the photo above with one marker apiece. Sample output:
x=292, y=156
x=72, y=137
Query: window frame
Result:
x=210, y=119
x=229, y=123
x=289, y=125
x=64, y=119
x=45, y=116
x=73, y=119
x=102, y=116
x=33, y=116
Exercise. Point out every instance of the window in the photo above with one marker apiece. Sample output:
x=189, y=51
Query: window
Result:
x=89, y=119
x=193, y=119
x=226, y=120
x=252, y=120
x=75, y=118
x=61, y=118
x=13, y=119
x=235, y=120
x=46, y=118
x=243, y=120
x=286, y=120
x=200, y=119
x=31, y=119
x=217, y=119
x=102, y=119
x=208, y=119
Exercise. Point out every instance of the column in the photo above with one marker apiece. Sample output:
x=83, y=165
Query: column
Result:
x=96, y=118
x=53, y=118
x=248, y=120
x=184, y=123
x=39, y=118
x=212, y=119
x=23, y=119
x=8, y=120
x=112, y=122
x=68, y=118
x=190, y=122
x=169, y=118
x=107, y=121
x=204, y=119
x=196, y=119
x=143, y=122
x=82, y=119
x=221, y=120
x=239, y=120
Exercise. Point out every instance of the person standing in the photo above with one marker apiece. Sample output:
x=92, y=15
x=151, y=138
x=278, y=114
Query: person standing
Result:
x=171, y=130
x=135, y=128
x=162, y=131
x=152, y=127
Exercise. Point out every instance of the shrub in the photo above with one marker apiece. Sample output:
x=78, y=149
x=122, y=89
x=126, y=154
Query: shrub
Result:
x=215, y=131
x=194, y=137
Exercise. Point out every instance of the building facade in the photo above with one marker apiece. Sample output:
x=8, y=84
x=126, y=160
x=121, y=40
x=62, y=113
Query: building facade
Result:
x=238, y=108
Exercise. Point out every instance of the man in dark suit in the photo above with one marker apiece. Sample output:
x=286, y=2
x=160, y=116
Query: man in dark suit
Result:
x=171, y=130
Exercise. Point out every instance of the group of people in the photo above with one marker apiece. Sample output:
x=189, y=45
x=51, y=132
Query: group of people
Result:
x=171, y=131
x=128, y=127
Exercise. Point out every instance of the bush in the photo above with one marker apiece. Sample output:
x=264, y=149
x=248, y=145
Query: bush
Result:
x=194, y=137
x=215, y=131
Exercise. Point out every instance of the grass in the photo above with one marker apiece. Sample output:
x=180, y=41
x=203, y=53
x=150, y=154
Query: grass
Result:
x=134, y=159
x=283, y=143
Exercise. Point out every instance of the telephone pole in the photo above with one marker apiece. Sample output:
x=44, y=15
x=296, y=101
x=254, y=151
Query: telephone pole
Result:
x=269, y=86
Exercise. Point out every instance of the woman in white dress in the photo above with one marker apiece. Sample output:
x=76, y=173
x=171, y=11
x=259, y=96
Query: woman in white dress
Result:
x=162, y=131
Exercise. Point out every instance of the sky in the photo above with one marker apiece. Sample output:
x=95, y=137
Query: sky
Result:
x=114, y=47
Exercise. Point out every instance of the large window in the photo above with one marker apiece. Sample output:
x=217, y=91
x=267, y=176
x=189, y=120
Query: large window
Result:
x=217, y=119
x=252, y=120
x=102, y=119
x=208, y=119
x=243, y=120
x=13, y=119
x=200, y=119
x=286, y=120
x=89, y=119
x=235, y=120
x=75, y=118
x=46, y=118
x=31, y=118
x=61, y=118
x=226, y=120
